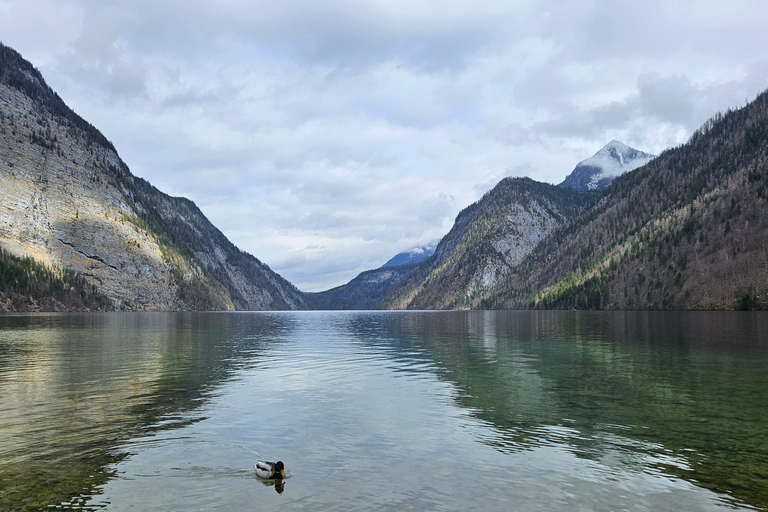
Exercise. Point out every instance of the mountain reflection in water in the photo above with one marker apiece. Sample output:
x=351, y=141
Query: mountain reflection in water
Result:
x=98, y=410
x=75, y=386
x=680, y=393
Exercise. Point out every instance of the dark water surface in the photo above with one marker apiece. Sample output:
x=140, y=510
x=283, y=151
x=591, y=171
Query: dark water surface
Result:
x=385, y=411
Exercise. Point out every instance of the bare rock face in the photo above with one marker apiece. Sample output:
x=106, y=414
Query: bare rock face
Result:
x=525, y=228
x=57, y=207
x=68, y=201
x=488, y=240
x=522, y=229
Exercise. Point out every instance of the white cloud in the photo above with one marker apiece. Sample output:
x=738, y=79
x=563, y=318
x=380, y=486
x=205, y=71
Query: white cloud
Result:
x=325, y=138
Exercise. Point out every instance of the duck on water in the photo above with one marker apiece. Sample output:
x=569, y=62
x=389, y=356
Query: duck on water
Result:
x=270, y=470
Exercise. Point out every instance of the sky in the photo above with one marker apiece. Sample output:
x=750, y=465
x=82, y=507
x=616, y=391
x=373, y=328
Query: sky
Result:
x=326, y=137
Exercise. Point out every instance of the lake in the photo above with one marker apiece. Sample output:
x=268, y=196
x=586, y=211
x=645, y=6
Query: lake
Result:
x=447, y=411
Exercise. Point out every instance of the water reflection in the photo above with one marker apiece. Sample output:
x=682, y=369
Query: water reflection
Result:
x=586, y=399
x=681, y=394
x=279, y=485
x=75, y=386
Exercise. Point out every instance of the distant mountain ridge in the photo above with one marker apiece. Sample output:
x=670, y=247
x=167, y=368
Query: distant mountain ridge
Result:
x=599, y=170
x=366, y=289
x=69, y=203
x=364, y=292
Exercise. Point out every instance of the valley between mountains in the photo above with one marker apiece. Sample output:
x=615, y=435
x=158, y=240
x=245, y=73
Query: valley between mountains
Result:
x=686, y=229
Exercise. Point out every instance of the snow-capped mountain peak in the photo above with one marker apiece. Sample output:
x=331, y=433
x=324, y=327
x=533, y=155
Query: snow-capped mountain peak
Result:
x=598, y=171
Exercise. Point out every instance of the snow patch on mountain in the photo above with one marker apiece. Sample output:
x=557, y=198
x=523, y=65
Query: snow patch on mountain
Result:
x=598, y=171
x=414, y=255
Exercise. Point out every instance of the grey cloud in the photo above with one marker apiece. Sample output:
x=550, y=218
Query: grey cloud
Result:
x=673, y=101
x=670, y=99
x=590, y=123
x=433, y=210
x=196, y=98
x=339, y=33
x=513, y=135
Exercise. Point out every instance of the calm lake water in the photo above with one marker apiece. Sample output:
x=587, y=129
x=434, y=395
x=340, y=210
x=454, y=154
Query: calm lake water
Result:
x=398, y=411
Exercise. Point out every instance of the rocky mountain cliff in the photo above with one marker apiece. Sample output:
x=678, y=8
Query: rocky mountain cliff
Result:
x=488, y=239
x=69, y=202
x=599, y=170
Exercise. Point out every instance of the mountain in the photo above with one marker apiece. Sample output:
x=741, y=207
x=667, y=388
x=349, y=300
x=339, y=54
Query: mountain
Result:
x=689, y=230
x=366, y=289
x=361, y=293
x=70, y=207
x=415, y=255
x=598, y=171
x=488, y=239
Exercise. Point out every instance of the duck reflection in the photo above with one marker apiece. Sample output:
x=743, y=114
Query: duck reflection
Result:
x=278, y=484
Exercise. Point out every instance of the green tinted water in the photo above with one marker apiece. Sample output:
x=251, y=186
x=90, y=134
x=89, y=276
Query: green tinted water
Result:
x=372, y=411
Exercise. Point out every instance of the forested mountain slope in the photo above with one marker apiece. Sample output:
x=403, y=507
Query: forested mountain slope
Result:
x=689, y=230
x=70, y=207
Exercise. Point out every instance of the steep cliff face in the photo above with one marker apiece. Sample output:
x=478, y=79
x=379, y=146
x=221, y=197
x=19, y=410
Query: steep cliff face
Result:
x=488, y=239
x=69, y=202
x=191, y=241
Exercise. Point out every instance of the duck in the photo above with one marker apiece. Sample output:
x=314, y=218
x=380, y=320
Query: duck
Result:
x=270, y=470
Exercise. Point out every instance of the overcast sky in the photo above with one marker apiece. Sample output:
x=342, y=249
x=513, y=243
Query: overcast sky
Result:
x=325, y=137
